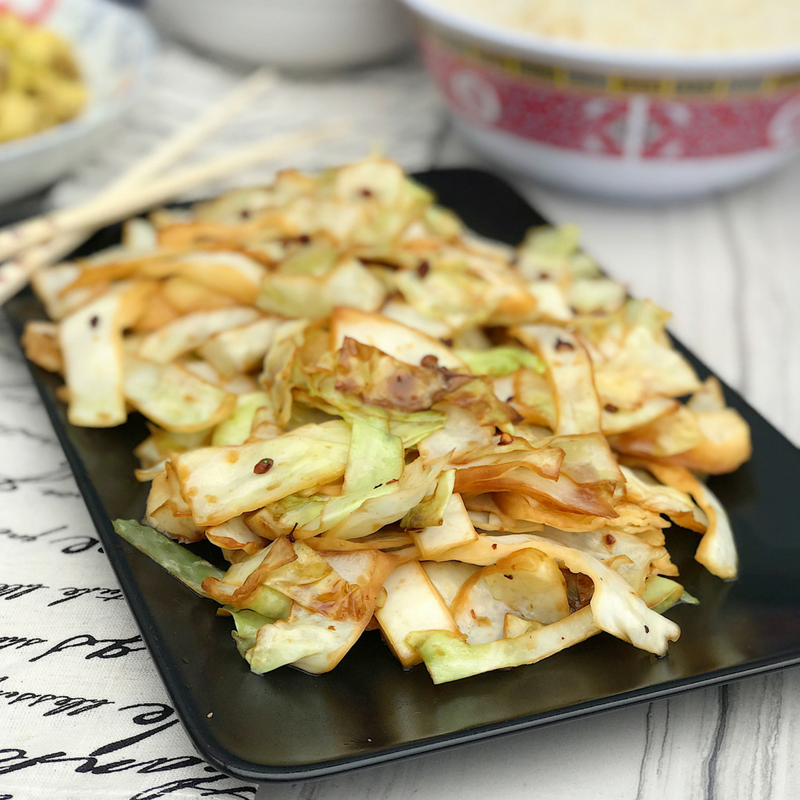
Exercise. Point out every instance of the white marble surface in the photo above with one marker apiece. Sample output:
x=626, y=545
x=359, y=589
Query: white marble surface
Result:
x=729, y=269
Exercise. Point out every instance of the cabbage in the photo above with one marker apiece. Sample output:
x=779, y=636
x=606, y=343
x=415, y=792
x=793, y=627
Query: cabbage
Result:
x=380, y=380
x=180, y=562
x=433, y=443
x=454, y=530
x=418, y=480
x=279, y=367
x=247, y=624
x=430, y=512
x=240, y=349
x=448, y=657
x=527, y=584
x=643, y=367
x=412, y=604
x=617, y=609
x=350, y=283
x=187, y=333
x=236, y=429
x=174, y=397
x=569, y=369
x=336, y=594
x=90, y=340
x=235, y=535
x=375, y=457
x=224, y=482
x=662, y=593
x=500, y=360
x=396, y=340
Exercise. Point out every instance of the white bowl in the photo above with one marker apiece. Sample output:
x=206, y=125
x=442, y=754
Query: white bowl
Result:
x=625, y=124
x=291, y=34
x=114, y=48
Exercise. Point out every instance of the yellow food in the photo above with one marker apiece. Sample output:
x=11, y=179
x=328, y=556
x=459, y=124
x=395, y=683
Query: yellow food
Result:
x=40, y=83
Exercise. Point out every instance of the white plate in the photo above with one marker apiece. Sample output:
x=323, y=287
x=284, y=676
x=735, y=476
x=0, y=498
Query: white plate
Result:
x=114, y=48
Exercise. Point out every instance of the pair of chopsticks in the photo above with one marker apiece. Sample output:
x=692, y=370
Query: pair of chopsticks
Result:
x=44, y=240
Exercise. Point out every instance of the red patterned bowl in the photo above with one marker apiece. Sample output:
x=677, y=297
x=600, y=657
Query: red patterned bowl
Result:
x=626, y=124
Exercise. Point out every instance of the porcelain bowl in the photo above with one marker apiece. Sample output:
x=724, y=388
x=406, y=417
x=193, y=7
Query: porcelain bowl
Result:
x=291, y=34
x=623, y=124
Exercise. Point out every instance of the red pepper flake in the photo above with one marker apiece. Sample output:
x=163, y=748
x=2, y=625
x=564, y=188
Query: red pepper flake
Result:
x=473, y=614
x=608, y=539
x=94, y=321
x=562, y=345
x=265, y=465
x=646, y=629
x=366, y=192
x=430, y=362
x=304, y=238
x=510, y=577
x=447, y=341
x=393, y=480
x=612, y=409
x=506, y=438
x=543, y=276
x=423, y=269
x=510, y=399
x=494, y=547
x=244, y=214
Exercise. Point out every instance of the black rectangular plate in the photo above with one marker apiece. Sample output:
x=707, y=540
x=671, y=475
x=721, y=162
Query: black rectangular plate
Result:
x=288, y=726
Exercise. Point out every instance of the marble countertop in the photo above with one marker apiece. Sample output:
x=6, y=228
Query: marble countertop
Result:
x=728, y=268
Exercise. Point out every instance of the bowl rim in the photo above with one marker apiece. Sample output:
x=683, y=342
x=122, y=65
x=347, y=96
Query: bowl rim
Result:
x=95, y=115
x=600, y=56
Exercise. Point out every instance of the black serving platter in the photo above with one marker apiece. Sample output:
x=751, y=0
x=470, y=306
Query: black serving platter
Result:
x=289, y=726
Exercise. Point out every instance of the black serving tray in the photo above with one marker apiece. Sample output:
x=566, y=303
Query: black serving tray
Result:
x=289, y=726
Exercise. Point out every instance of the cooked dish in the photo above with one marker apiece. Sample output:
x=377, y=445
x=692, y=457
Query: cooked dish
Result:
x=386, y=422
x=40, y=83
x=671, y=25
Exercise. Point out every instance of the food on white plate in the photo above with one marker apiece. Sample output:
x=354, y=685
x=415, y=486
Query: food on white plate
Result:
x=673, y=25
x=40, y=82
x=384, y=421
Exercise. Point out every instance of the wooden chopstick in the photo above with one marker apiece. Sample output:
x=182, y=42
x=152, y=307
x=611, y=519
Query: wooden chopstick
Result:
x=189, y=138
x=15, y=274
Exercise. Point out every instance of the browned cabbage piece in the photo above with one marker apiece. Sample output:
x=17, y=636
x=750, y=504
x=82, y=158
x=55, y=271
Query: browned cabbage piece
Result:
x=52, y=288
x=629, y=517
x=332, y=595
x=393, y=338
x=40, y=344
x=642, y=368
x=569, y=370
x=717, y=550
x=713, y=442
x=166, y=510
x=380, y=380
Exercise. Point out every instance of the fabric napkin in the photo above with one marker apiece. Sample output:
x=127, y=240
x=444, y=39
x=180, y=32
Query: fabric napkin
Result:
x=83, y=713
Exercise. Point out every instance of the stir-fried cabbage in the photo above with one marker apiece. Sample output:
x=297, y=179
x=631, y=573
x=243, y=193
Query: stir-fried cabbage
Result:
x=383, y=421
